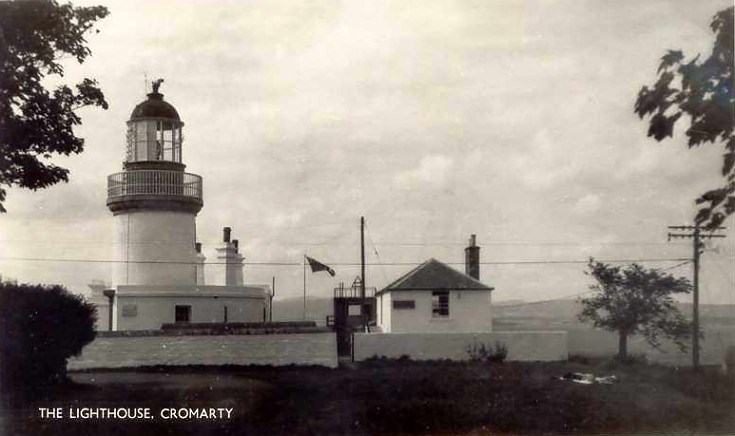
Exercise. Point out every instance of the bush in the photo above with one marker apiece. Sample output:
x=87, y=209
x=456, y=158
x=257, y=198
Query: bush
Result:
x=630, y=359
x=40, y=328
x=483, y=353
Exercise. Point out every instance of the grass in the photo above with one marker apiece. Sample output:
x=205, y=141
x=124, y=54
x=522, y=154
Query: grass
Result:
x=383, y=397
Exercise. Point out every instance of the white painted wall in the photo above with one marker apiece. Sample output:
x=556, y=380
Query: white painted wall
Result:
x=103, y=316
x=201, y=279
x=469, y=311
x=276, y=349
x=158, y=237
x=228, y=268
x=522, y=346
x=101, y=303
x=156, y=306
x=384, y=312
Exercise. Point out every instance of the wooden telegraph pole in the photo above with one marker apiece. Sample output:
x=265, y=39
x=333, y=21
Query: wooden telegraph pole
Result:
x=362, y=258
x=695, y=233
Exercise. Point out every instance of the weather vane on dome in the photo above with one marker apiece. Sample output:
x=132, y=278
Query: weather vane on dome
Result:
x=156, y=84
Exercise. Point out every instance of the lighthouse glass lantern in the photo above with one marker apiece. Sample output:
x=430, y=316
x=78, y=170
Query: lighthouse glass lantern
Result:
x=154, y=131
x=154, y=140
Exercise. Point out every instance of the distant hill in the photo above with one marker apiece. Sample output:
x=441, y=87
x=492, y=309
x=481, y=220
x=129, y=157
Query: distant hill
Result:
x=292, y=309
x=511, y=314
x=564, y=312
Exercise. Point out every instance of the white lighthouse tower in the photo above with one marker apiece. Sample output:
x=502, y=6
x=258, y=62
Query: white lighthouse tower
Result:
x=154, y=202
x=158, y=273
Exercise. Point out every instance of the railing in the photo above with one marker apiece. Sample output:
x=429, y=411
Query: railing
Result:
x=154, y=182
x=353, y=292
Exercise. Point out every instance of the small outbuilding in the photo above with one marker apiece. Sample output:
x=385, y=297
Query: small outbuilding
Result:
x=436, y=298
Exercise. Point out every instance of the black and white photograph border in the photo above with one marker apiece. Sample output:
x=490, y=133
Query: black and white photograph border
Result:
x=458, y=217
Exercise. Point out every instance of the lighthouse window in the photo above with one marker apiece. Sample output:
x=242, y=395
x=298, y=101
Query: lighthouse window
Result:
x=141, y=150
x=183, y=313
x=130, y=145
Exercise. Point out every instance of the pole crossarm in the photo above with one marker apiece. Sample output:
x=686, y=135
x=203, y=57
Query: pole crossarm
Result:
x=696, y=227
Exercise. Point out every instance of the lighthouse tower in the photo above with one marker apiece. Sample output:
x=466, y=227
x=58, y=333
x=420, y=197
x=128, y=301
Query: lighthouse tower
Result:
x=154, y=201
x=158, y=273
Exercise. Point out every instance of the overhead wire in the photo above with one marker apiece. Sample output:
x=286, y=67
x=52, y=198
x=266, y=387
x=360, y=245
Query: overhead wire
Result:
x=513, y=262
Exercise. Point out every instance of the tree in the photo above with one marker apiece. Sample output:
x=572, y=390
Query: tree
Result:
x=40, y=328
x=36, y=123
x=634, y=300
x=703, y=91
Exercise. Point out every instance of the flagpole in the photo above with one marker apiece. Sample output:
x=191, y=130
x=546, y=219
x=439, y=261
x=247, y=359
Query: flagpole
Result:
x=303, y=261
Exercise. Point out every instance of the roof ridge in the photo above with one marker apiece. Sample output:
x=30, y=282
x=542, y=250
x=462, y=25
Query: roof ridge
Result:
x=402, y=278
x=441, y=276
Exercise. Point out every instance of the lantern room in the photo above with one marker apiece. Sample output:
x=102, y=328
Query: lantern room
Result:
x=154, y=131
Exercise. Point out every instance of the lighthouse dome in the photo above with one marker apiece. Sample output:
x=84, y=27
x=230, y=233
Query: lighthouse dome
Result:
x=154, y=107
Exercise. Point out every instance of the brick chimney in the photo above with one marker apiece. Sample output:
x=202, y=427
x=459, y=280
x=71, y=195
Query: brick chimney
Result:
x=472, y=259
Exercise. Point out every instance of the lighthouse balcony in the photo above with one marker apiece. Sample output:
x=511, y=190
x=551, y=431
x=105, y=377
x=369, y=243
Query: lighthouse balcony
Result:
x=154, y=189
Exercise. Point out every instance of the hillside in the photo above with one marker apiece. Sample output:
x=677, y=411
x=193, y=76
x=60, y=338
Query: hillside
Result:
x=549, y=314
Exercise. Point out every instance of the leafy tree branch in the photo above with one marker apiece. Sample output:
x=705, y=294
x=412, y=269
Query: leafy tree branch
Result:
x=37, y=123
x=702, y=91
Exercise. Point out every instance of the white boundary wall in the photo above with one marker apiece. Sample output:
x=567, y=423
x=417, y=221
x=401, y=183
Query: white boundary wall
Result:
x=272, y=349
x=522, y=346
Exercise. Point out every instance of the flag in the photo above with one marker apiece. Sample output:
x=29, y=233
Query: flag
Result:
x=317, y=266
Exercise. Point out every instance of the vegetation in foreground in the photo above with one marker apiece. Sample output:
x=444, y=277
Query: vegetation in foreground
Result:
x=41, y=326
x=402, y=397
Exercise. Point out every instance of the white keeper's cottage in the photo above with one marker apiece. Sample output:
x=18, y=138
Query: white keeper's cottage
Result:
x=436, y=298
x=158, y=274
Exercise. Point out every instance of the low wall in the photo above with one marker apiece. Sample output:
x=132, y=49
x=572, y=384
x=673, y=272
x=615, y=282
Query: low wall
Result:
x=272, y=349
x=522, y=346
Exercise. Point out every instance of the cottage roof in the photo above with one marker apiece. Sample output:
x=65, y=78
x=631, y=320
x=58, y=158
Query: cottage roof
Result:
x=434, y=275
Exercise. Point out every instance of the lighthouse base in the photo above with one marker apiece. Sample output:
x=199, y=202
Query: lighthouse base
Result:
x=149, y=307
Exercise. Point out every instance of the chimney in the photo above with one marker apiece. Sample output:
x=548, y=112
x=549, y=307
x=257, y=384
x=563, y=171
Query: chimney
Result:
x=198, y=247
x=227, y=231
x=237, y=245
x=472, y=259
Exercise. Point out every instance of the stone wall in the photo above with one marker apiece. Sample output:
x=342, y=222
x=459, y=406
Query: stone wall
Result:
x=522, y=346
x=272, y=349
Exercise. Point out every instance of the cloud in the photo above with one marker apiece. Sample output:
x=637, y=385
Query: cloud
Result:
x=587, y=205
x=504, y=119
x=434, y=171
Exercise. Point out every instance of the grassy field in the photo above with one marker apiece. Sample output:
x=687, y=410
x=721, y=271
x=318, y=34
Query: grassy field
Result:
x=397, y=397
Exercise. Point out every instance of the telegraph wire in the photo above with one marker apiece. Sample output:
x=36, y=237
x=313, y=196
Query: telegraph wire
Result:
x=513, y=262
x=377, y=255
x=566, y=297
x=209, y=244
x=500, y=306
x=678, y=265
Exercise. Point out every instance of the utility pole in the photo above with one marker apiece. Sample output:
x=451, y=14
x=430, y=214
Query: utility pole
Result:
x=362, y=258
x=695, y=233
x=270, y=306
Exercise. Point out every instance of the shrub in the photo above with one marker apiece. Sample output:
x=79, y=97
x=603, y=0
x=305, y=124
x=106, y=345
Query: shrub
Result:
x=483, y=353
x=631, y=359
x=40, y=328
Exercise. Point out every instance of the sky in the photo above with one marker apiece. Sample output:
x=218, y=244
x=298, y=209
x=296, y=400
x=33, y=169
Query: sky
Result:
x=511, y=120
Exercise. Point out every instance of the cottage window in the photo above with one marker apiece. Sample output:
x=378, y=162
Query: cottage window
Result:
x=404, y=304
x=440, y=304
x=183, y=313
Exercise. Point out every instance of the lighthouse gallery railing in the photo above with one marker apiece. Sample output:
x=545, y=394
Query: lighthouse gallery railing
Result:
x=154, y=182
